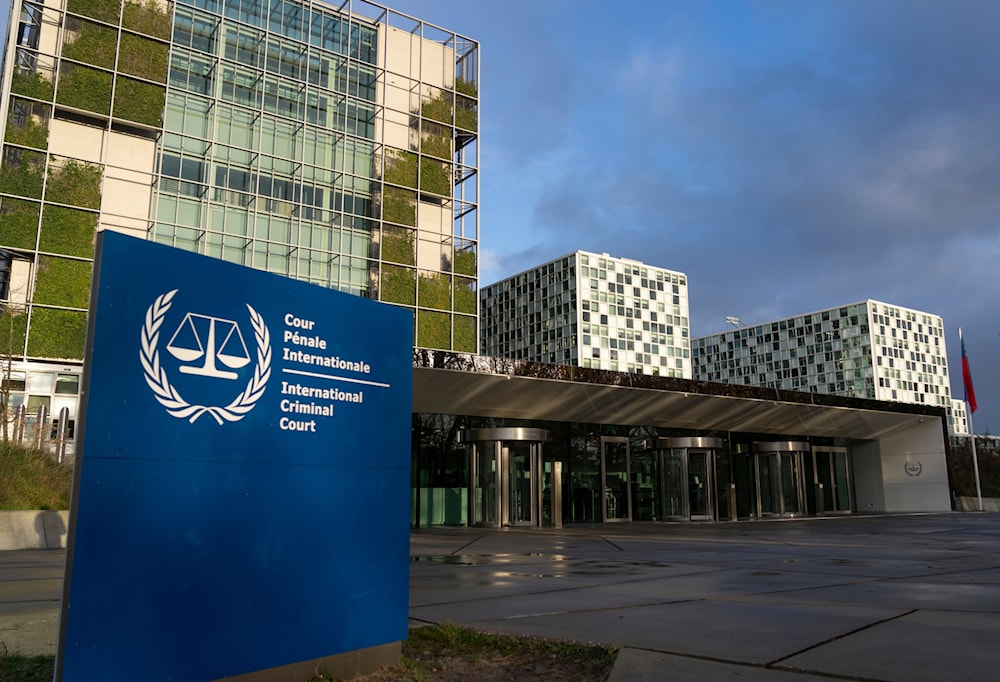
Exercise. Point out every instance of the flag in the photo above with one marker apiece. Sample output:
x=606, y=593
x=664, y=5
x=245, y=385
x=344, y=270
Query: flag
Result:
x=970, y=392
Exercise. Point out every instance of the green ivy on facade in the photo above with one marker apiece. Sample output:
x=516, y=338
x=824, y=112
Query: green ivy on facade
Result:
x=401, y=167
x=399, y=245
x=19, y=220
x=32, y=85
x=435, y=177
x=139, y=101
x=74, y=182
x=433, y=329
x=22, y=173
x=465, y=261
x=465, y=334
x=398, y=285
x=89, y=43
x=465, y=295
x=399, y=206
x=35, y=130
x=62, y=282
x=146, y=17
x=68, y=231
x=57, y=333
x=103, y=10
x=142, y=57
x=434, y=290
x=84, y=88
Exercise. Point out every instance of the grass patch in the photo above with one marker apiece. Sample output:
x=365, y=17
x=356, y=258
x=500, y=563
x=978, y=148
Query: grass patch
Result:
x=30, y=479
x=449, y=653
x=443, y=653
x=25, y=668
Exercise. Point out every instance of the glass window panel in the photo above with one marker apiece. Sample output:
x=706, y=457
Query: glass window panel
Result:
x=40, y=382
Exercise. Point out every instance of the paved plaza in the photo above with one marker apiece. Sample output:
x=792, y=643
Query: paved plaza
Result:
x=858, y=598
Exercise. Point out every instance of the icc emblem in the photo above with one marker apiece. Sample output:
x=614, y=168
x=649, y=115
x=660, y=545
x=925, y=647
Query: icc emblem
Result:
x=210, y=347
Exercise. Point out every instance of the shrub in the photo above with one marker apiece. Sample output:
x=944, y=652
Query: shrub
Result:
x=31, y=479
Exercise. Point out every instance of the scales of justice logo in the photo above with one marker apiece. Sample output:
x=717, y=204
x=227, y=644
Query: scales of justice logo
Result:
x=209, y=347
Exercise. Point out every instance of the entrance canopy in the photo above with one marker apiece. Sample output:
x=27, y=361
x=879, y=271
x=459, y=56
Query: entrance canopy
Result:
x=755, y=410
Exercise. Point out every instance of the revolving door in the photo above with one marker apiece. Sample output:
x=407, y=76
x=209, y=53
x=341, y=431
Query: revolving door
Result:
x=779, y=475
x=687, y=478
x=506, y=482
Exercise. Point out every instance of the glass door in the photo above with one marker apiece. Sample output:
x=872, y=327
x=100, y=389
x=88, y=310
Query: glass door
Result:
x=523, y=483
x=780, y=478
x=767, y=500
x=674, y=484
x=615, y=474
x=644, y=484
x=790, y=464
x=831, y=471
x=700, y=485
x=505, y=476
x=485, y=507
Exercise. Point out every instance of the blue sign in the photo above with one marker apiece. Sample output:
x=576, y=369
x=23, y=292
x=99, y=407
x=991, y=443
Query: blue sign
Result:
x=242, y=481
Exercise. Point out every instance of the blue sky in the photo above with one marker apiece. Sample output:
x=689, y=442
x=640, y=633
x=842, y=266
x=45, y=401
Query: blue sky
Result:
x=787, y=155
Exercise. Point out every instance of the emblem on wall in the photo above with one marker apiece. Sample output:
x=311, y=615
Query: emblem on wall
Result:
x=913, y=468
x=206, y=346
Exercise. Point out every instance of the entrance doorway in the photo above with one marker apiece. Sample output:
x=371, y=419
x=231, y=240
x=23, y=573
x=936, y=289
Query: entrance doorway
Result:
x=506, y=485
x=832, y=480
x=616, y=475
x=779, y=478
x=687, y=478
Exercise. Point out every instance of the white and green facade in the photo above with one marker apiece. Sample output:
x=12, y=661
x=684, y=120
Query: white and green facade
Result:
x=867, y=349
x=333, y=143
x=591, y=310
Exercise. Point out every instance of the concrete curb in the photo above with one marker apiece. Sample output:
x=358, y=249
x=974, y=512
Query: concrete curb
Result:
x=990, y=504
x=33, y=529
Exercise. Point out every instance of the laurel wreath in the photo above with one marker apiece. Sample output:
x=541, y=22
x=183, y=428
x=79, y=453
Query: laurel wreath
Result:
x=168, y=396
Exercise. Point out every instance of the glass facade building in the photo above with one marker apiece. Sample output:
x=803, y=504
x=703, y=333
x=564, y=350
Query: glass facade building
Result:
x=333, y=143
x=502, y=443
x=862, y=350
x=591, y=310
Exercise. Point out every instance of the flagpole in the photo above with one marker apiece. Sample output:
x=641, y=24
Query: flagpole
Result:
x=975, y=458
x=972, y=432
